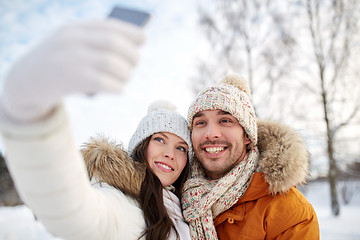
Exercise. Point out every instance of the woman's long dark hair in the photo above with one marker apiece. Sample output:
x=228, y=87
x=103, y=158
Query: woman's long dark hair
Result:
x=158, y=222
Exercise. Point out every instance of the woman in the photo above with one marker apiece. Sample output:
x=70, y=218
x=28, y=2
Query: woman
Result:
x=45, y=163
x=154, y=174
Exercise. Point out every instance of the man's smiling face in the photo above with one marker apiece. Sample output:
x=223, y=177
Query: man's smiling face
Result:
x=219, y=141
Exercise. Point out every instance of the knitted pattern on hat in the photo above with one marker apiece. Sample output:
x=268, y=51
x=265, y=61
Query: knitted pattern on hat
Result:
x=161, y=117
x=231, y=95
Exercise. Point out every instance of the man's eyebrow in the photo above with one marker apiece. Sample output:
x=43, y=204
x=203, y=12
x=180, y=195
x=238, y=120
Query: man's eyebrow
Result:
x=199, y=114
x=223, y=113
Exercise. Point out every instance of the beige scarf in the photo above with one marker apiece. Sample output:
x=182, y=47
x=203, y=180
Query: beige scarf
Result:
x=203, y=199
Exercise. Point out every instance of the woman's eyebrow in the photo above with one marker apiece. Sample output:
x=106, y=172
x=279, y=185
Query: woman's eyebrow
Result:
x=162, y=134
x=182, y=143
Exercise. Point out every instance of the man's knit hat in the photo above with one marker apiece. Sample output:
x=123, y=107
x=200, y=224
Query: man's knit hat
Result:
x=231, y=95
x=161, y=117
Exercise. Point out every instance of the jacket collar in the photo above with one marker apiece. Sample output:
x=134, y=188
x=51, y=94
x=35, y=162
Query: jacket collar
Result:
x=283, y=156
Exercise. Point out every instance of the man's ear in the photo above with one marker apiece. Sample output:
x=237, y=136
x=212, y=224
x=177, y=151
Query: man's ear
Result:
x=247, y=140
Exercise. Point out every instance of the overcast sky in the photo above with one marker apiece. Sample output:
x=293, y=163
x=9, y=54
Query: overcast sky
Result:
x=168, y=61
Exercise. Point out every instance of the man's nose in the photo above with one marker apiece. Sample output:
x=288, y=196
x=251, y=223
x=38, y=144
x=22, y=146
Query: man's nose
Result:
x=213, y=131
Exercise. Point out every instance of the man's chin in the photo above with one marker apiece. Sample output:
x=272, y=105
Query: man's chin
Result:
x=212, y=165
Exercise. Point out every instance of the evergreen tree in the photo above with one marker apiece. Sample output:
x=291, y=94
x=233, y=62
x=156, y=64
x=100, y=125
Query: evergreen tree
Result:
x=8, y=194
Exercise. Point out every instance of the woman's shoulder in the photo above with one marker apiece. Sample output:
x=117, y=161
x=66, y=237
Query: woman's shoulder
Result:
x=114, y=194
x=122, y=213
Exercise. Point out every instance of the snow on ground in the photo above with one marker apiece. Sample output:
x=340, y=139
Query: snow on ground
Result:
x=18, y=223
x=344, y=227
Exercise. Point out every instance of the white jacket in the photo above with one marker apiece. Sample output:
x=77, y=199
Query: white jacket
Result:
x=51, y=178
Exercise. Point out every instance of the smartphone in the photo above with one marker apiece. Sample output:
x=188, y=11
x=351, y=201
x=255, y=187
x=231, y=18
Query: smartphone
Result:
x=137, y=17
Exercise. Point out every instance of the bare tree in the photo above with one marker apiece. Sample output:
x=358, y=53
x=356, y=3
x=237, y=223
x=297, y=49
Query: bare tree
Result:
x=280, y=46
x=250, y=38
x=334, y=31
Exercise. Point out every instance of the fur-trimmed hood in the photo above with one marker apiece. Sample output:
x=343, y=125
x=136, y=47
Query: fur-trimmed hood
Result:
x=283, y=160
x=108, y=162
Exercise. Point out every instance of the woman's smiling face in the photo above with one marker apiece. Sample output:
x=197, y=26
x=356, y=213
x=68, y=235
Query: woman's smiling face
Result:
x=167, y=156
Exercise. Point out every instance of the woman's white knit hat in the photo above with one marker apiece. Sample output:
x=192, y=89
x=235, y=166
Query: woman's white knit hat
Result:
x=161, y=117
x=231, y=95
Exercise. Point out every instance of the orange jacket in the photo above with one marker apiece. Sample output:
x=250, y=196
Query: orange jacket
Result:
x=261, y=215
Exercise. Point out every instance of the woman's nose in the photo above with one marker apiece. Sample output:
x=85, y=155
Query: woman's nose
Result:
x=169, y=153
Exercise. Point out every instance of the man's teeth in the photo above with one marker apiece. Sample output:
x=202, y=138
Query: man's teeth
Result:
x=214, y=149
x=165, y=166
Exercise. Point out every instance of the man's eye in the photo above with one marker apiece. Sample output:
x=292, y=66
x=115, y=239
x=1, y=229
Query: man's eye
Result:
x=225, y=120
x=199, y=123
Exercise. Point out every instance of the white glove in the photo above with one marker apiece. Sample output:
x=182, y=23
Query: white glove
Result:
x=90, y=57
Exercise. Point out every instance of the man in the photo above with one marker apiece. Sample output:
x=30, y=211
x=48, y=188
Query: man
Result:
x=242, y=187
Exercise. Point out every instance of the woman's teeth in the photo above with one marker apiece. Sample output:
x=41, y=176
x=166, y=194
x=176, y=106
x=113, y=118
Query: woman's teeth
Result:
x=165, y=166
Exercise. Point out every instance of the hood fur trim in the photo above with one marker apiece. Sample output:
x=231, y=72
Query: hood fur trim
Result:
x=283, y=156
x=108, y=162
x=283, y=160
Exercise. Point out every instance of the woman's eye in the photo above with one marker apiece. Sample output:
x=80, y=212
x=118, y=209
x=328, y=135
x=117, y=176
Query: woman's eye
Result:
x=159, y=139
x=182, y=149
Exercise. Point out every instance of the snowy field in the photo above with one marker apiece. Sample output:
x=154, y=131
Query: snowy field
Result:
x=347, y=225
x=17, y=223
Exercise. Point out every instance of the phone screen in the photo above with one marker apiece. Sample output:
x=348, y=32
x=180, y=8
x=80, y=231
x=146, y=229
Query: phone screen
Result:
x=137, y=17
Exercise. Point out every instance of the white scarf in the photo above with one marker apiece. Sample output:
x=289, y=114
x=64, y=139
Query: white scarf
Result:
x=172, y=204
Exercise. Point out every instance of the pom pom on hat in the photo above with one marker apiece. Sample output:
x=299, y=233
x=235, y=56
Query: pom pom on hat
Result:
x=161, y=117
x=161, y=104
x=237, y=81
